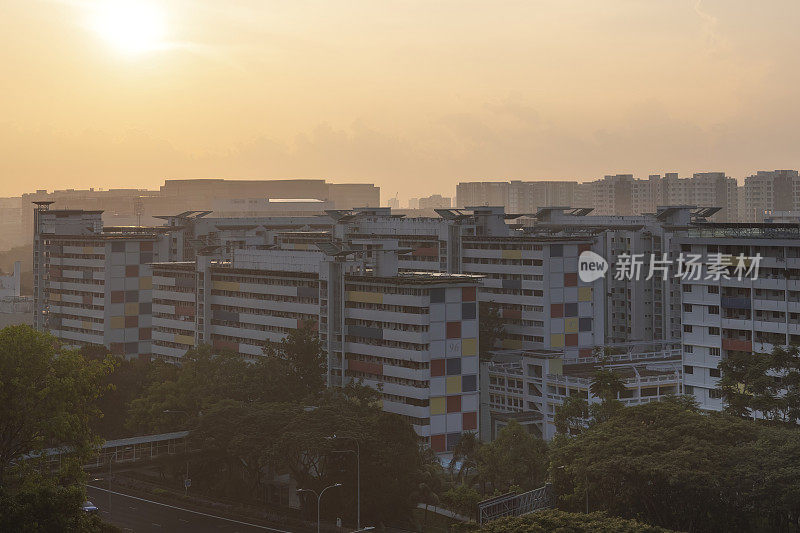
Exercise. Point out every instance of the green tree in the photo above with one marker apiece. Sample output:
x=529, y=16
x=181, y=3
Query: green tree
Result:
x=669, y=464
x=390, y=450
x=464, y=463
x=491, y=328
x=462, y=499
x=127, y=382
x=240, y=443
x=562, y=522
x=762, y=384
x=606, y=384
x=514, y=458
x=571, y=417
x=745, y=384
x=47, y=398
x=203, y=380
x=303, y=353
x=430, y=484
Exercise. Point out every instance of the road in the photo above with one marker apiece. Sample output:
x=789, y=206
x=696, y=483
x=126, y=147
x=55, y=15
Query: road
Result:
x=145, y=516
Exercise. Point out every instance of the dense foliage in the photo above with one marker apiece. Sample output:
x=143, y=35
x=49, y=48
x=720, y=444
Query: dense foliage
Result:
x=668, y=464
x=257, y=419
x=47, y=399
x=492, y=328
x=764, y=384
x=563, y=522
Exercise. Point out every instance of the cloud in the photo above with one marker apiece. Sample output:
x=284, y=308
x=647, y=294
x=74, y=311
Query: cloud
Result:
x=714, y=40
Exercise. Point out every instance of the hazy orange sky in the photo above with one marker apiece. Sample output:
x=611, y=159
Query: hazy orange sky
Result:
x=412, y=95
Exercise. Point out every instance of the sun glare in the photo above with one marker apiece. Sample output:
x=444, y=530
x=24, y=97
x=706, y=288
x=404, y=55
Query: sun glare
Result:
x=131, y=26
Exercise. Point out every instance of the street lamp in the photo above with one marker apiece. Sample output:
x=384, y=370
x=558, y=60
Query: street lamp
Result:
x=319, y=497
x=358, y=473
x=186, y=481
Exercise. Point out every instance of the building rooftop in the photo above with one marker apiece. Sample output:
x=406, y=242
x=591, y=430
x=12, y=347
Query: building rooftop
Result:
x=746, y=230
x=418, y=278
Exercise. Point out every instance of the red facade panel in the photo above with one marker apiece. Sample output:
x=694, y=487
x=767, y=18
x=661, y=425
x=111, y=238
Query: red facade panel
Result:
x=469, y=294
x=737, y=345
x=453, y=404
x=365, y=367
x=454, y=330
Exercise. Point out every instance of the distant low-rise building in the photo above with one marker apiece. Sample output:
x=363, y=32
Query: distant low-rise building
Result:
x=435, y=201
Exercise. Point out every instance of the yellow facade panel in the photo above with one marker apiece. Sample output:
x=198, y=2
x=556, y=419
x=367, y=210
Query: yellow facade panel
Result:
x=438, y=405
x=184, y=339
x=131, y=309
x=453, y=384
x=584, y=294
x=469, y=347
x=365, y=297
x=225, y=285
x=512, y=344
x=570, y=325
x=557, y=340
x=117, y=322
x=145, y=283
x=512, y=254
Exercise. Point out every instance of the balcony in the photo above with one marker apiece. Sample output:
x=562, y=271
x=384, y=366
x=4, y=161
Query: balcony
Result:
x=737, y=345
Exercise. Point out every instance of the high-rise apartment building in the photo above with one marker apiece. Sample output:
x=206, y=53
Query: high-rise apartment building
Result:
x=635, y=308
x=723, y=316
x=619, y=194
x=529, y=196
x=414, y=337
x=435, y=201
x=531, y=279
x=137, y=207
x=767, y=191
x=481, y=193
x=93, y=286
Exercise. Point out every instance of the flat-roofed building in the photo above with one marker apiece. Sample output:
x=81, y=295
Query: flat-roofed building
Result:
x=413, y=336
x=93, y=286
x=530, y=385
x=722, y=316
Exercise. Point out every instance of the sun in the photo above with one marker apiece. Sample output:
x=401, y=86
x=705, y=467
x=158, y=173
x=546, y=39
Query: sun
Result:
x=131, y=26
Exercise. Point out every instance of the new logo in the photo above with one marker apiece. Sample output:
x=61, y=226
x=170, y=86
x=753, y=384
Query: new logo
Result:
x=591, y=266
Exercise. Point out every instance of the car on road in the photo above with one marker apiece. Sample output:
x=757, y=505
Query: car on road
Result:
x=89, y=507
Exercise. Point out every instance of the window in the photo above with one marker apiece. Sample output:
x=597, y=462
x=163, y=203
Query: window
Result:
x=687, y=308
x=715, y=394
x=713, y=351
x=688, y=369
x=713, y=372
x=713, y=309
x=687, y=328
x=687, y=288
x=688, y=348
x=713, y=331
x=713, y=289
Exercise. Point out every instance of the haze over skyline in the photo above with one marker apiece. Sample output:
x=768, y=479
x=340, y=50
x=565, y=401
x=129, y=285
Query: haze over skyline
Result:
x=413, y=96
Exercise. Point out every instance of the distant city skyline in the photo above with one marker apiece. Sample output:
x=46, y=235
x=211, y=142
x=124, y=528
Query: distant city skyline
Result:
x=408, y=97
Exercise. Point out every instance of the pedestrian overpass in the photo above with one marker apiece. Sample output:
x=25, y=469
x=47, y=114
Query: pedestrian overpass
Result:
x=129, y=450
x=515, y=504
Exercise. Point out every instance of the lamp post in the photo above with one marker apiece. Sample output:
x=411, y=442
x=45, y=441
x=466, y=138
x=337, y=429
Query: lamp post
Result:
x=358, y=474
x=587, y=492
x=186, y=448
x=319, y=498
